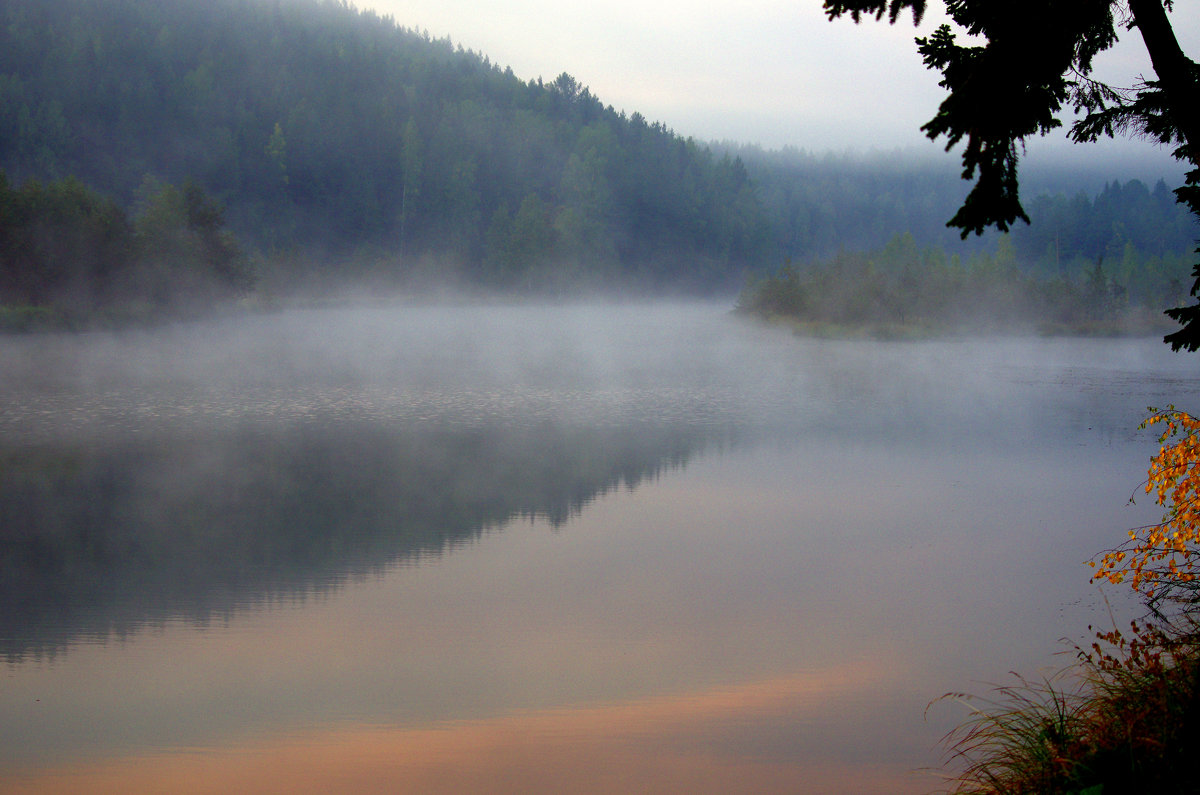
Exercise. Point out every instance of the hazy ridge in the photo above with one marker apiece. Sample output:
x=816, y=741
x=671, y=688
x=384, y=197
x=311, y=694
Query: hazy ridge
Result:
x=347, y=148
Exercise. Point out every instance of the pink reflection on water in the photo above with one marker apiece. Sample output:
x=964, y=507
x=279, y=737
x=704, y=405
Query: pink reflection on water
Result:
x=696, y=742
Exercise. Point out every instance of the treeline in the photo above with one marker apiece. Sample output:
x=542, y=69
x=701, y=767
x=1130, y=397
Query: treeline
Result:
x=1067, y=233
x=69, y=257
x=904, y=289
x=346, y=147
x=819, y=204
x=326, y=129
x=339, y=138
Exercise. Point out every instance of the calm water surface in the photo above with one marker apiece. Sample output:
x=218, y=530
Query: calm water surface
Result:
x=586, y=549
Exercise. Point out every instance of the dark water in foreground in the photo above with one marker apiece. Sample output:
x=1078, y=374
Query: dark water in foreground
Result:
x=598, y=549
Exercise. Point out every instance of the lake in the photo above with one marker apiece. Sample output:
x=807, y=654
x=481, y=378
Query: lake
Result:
x=600, y=548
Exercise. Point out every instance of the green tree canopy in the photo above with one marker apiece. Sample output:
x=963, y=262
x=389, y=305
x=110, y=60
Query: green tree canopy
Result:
x=1027, y=61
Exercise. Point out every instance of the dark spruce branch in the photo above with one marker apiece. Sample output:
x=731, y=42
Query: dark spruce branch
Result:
x=1035, y=58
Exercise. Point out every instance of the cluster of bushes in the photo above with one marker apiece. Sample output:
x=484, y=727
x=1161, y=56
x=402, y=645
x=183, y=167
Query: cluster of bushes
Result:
x=70, y=257
x=904, y=289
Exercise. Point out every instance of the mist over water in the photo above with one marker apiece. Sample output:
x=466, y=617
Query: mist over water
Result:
x=409, y=544
x=599, y=362
x=407, y=363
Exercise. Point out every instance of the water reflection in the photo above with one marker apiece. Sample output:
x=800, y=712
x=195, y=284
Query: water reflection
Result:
x=539, y=549
x=737, y=739
x=100, y=538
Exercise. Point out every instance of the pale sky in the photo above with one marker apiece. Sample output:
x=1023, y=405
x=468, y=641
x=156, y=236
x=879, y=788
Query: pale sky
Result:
x=771, y=72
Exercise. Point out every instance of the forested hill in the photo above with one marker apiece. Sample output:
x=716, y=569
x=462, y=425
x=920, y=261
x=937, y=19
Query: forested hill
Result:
x=332, y=135
x=319, y=126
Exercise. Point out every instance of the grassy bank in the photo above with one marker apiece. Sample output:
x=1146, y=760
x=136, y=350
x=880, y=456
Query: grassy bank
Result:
x=1129, y=325
x=1126, y=717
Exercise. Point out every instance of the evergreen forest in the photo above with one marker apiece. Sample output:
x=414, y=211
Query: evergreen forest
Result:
x=158, y=155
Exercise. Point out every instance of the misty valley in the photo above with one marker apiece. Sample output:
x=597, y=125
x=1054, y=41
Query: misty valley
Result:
x=591, y=547
x=375, y=419
x=158, y=161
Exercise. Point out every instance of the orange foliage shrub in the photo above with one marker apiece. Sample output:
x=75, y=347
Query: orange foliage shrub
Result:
x=1164, y=554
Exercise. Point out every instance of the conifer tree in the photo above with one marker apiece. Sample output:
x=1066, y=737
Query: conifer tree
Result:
x=1035, y=60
